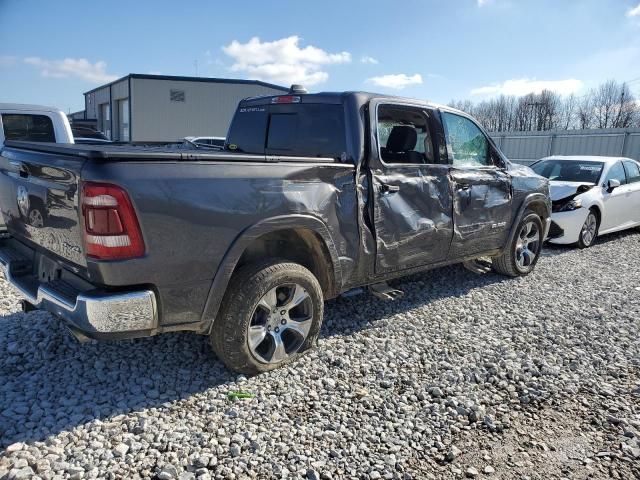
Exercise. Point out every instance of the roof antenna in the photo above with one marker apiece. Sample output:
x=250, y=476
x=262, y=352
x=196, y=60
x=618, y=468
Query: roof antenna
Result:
x=297, y=89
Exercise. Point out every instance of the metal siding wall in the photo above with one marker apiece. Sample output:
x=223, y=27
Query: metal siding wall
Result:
x=526, y=147
x=610, y=145
x=632, y=147
x=533, y=148
x=98, y=97
x=207, y=109
x=119, y=91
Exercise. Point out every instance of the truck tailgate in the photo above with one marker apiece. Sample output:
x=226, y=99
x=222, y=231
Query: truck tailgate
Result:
x=39, y=200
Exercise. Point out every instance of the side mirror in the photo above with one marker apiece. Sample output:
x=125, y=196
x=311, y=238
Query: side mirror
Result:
x=612, y=184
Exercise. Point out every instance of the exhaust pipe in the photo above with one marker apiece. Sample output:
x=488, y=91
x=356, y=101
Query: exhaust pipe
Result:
x=78, y=335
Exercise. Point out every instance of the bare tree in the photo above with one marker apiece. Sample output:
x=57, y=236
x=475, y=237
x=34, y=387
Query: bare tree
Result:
x=610, y=105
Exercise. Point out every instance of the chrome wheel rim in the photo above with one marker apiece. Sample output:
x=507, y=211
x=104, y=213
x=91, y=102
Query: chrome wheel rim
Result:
x=527, y=246
x=35, y=218
x=589, y=229
x=280, y=323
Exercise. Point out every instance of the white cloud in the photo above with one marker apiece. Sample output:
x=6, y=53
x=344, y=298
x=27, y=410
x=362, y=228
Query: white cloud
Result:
x=634, y=12
x=283, y=61
x=368, y=59
x=523, y=86
x=72, y=67
x=397, y=81
x=482, y=3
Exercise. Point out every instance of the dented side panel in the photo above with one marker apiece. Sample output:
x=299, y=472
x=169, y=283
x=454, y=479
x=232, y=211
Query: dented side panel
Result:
x=191, y=214
x=482, y=209
x=414, y=223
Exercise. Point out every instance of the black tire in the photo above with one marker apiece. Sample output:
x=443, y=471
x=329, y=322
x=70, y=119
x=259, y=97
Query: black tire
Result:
x=507, y=263
x=585, y=240
x=230, y=334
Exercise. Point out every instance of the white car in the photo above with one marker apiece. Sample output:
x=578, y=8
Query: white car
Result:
x=216, y=142
x=590, y=196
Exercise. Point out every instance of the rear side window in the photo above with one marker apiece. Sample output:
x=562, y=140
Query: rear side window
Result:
x=305, y=130
x=248, y=130
x=25, y=127
x=633, y=172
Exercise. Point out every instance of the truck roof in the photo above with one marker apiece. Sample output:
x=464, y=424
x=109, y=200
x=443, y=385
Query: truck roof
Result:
x=27, y=107
x=340, y=97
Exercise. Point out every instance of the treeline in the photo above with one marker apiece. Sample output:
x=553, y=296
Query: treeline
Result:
x=610, y=105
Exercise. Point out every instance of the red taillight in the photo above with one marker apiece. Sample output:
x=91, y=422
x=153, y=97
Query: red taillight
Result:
x=111, y=228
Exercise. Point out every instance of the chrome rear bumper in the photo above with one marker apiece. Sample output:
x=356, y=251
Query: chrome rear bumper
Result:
x=94, y=313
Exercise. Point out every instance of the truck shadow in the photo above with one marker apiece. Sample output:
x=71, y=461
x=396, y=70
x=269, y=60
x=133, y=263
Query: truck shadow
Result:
x=49, y=383
x=346, y=315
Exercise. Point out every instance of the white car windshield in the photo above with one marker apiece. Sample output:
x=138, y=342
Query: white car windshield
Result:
x=569, y=170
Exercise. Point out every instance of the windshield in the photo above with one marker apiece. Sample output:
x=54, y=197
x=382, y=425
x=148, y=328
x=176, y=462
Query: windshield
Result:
x=569, y=170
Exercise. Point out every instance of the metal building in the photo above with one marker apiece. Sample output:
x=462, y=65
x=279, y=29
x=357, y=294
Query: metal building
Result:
x=160, y=108
x=527, y=147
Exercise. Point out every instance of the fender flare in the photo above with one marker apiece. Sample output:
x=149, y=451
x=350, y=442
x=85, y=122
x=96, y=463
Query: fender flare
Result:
x=528, y=200
x=244, y=239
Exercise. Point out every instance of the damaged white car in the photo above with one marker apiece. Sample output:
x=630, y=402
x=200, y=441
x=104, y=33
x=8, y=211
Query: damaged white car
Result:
x=591, y=196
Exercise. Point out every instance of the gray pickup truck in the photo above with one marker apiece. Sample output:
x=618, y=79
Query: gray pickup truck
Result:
x=313, y=196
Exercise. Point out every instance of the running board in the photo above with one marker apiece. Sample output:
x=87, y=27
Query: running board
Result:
x=477, y=266
x=383, y=291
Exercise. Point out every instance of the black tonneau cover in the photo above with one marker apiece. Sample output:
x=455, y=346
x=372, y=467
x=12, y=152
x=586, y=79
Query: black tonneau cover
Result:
x=151, y=152
x=123, y=152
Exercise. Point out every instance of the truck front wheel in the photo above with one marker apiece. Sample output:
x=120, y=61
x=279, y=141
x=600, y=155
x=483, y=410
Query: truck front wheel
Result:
x=271, y=313
x=521, y=255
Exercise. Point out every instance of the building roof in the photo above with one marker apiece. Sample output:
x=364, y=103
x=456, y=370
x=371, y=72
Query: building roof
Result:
x=236, y=81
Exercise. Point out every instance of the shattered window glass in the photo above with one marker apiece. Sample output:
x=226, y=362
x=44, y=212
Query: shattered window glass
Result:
x=467, y=144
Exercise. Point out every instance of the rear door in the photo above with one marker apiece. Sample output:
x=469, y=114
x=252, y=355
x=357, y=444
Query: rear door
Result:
x=39, y=200
x=411, y=189
x=614, y=201
x=481, y=188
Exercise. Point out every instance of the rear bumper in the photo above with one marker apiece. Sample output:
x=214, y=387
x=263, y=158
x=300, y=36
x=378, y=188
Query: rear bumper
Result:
x=94, y=313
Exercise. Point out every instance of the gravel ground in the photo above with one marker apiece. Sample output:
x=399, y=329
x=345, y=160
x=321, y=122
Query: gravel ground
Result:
x=468, y=375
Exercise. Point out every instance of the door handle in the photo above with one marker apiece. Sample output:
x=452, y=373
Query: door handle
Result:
x=386, y=189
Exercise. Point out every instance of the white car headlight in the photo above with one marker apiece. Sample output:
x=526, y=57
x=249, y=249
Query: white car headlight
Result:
x=572, y=205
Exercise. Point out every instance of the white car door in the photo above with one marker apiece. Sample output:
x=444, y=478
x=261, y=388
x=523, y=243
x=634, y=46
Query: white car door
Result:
x=632, y=169
x=614, y=201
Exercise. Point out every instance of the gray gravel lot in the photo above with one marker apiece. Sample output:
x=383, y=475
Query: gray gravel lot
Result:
x=468, y=375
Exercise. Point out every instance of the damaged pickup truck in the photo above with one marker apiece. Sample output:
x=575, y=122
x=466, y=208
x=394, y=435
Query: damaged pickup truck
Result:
x=314, y=195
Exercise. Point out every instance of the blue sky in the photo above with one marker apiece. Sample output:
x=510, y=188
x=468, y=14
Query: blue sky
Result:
x=53, y=51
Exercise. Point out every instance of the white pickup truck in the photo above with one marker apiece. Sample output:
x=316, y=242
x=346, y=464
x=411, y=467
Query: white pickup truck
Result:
x=33, y=123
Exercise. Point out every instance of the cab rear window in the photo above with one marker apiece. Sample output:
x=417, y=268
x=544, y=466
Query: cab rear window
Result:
x=26, y=127
x=311, y=130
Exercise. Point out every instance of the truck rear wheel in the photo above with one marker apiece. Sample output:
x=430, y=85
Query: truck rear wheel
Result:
x=521, y=255
x=271, y=313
